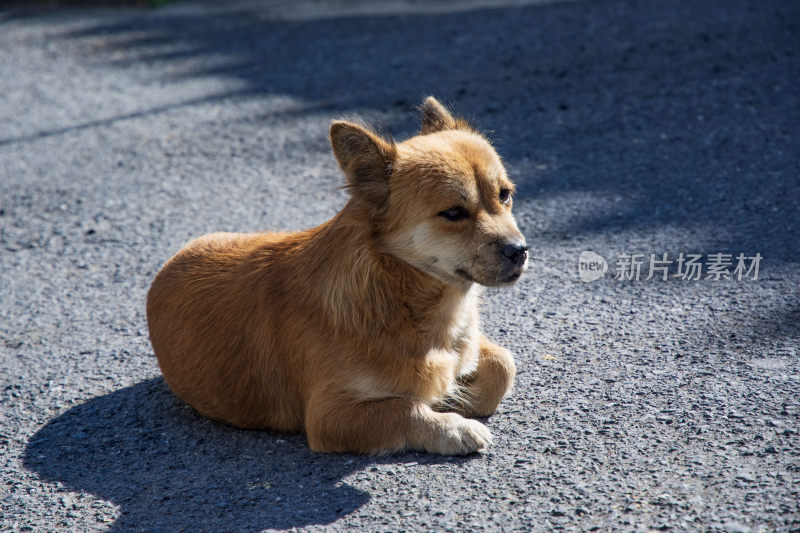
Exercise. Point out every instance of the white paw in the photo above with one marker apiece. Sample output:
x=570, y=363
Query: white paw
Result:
x=460, y=436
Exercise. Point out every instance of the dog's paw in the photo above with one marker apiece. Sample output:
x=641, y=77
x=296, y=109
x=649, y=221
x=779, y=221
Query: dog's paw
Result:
x=460, y=436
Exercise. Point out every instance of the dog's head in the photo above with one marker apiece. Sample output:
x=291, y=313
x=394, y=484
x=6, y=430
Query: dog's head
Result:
x=440, y=201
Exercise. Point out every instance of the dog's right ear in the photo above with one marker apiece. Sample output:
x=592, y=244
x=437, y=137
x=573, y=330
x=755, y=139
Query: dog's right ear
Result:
x=366, y=160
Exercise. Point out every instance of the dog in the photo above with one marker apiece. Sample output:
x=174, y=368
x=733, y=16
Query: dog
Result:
x=362, y=332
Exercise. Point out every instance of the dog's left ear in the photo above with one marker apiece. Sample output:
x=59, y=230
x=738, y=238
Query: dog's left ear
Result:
x=435, y=117
x=366, y=160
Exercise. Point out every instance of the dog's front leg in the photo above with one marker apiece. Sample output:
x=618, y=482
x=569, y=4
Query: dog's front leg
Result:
x=482, y=390
x=336, y=423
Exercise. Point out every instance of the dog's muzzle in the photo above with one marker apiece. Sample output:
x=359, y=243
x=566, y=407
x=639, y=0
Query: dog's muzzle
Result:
x=515, y=253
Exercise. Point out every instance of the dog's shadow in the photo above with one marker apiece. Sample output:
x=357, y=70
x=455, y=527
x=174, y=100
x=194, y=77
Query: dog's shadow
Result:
x=167, y=468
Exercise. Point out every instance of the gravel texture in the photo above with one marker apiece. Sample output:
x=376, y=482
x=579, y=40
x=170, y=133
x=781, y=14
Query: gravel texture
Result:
x=630, y=127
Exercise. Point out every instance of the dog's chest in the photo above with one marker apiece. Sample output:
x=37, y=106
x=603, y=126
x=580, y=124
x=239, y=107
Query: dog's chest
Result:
x=457, y=353
x=463, y=333
x=463, y=339
x=427, y=367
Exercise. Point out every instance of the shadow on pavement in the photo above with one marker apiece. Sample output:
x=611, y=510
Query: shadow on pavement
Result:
x=169, y=469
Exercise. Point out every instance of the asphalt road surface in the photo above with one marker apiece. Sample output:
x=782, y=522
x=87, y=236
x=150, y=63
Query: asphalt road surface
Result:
x=631, y=127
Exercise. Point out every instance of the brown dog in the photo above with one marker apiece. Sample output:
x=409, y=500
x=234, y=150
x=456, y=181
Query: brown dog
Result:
x=361, y=331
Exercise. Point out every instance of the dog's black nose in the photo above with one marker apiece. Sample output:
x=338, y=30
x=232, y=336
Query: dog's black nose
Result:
x=516, y=252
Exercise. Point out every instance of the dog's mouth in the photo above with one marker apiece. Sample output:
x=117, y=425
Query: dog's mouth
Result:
x=514, y=276
x=464, y=274
x=494, y=281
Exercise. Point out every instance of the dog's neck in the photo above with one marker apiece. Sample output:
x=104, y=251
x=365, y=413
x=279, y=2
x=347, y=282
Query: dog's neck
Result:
x=363, y=289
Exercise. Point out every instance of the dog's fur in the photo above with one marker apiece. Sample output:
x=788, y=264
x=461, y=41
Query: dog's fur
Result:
x=364, y=330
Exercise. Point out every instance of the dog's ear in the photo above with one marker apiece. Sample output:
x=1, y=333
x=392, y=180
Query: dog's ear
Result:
x=436, y=117
x=365, y=158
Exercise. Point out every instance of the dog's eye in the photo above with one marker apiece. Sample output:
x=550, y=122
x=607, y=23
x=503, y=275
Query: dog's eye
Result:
x=505, y=196
x=454, y=214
